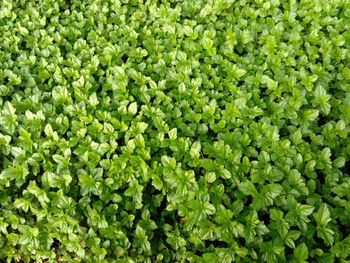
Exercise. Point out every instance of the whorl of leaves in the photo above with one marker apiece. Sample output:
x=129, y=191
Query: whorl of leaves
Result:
x=174, y=131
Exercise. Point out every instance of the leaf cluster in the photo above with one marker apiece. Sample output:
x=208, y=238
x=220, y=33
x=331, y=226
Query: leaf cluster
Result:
x=174, y=131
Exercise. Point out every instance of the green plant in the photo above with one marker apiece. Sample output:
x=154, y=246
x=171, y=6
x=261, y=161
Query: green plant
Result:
x=174, y=131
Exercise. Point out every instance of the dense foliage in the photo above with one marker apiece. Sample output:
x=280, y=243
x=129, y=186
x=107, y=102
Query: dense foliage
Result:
x=174, y=131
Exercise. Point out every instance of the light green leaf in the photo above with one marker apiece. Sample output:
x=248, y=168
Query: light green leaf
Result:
x=322, y=216
x=132, y=109
x=247, y=188
x=93, y=100
x=301, y=252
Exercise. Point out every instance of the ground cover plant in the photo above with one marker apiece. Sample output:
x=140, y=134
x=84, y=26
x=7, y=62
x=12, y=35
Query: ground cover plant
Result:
x=174, y=131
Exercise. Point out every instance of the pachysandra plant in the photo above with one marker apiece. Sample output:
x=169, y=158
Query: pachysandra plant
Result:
x=174, y=131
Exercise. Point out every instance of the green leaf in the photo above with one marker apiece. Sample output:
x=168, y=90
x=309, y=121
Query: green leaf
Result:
x=247, y=188
x=173, y=134
x=22, y=203
x=225, y=174
x=132, y=109
x=209, y=209
x=48, y=130
x=301, y=252
x=195, y=149
x=60, y=94
x=305, y=210
x=210, y=177
x=15, y=173
x=38, y=193
x=93, y=100
x=339, y=162
x=326, y=234
x=322, y=216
